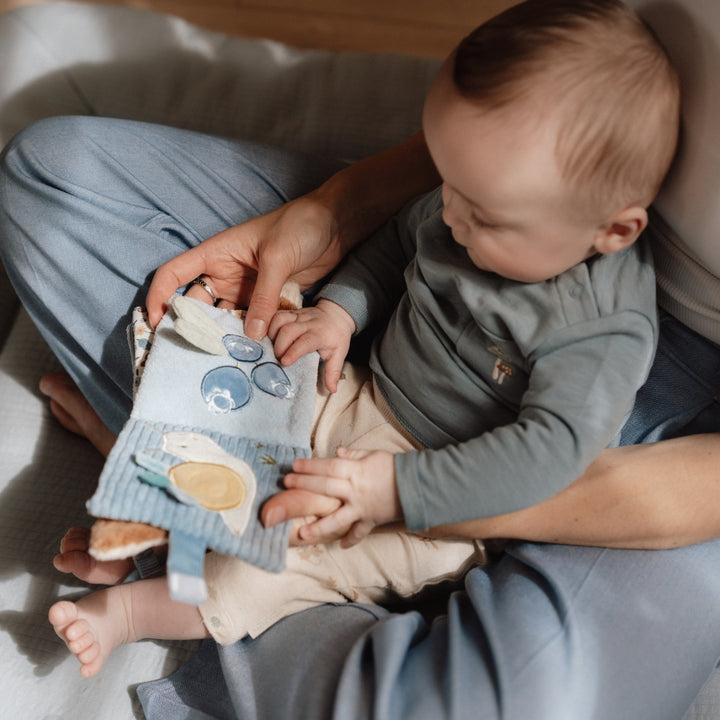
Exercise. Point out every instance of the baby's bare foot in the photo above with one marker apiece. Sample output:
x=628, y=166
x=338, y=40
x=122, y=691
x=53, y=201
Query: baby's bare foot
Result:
x=74, y=558
x=74, y=412
x=91, y=628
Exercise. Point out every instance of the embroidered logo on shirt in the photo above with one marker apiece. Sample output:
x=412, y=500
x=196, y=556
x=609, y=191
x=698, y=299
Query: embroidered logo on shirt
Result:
x=502, y=368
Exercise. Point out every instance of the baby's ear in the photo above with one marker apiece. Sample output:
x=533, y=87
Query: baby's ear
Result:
x=622, y=230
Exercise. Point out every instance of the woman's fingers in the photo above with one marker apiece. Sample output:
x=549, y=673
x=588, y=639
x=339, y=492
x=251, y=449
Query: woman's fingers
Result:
x=265, y=298
x=167, y=279
x=293, y=504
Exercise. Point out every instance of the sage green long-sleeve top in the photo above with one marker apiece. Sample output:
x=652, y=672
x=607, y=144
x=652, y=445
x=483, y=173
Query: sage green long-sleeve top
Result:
x=514, y=388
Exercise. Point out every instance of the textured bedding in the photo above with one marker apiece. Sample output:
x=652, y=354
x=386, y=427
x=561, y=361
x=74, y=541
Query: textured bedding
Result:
x=126, y=63
x=46, y=476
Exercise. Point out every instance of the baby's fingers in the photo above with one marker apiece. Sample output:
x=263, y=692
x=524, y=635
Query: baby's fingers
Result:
x=305, y=343
x=359, y=531
x=333, y=371
x=328, y=528
x=285, y=336
x=280, y=319
x=329, y=467
x=321, y=484
x=352, y=453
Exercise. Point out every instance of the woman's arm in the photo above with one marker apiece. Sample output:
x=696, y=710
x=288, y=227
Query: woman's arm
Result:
x=660, y=495
x=248, y=264
x=653, y=496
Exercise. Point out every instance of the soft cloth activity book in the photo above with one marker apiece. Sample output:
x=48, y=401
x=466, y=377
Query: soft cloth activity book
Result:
x=215, y=426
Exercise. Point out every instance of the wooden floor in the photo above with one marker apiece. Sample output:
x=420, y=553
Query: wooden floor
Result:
x=419, y=27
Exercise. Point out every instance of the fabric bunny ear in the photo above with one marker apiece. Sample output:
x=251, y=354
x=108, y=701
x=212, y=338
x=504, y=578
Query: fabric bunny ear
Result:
x=197, y=327
x=194, y=324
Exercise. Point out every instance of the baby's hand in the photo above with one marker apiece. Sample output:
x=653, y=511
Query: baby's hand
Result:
x=325, y=328
x=363, y=480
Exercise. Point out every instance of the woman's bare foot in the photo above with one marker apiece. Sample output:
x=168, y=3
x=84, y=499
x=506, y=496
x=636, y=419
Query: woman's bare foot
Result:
x=93, y=627
x=74, y=412
x=74, y=558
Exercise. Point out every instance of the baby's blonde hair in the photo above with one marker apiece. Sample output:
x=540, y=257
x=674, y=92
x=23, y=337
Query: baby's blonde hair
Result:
x=596, y=66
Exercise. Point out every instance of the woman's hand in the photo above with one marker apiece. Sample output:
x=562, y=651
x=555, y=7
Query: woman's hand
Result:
x=248, y=264
x=363, y=481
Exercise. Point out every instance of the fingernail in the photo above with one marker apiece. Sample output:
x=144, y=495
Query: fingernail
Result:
x=274, y=517
x=255, y=329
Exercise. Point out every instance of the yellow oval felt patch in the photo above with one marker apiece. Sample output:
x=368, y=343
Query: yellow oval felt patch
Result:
x=215, y=487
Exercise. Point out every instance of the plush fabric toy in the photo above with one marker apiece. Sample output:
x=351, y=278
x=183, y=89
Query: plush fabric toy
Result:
x=215, y=425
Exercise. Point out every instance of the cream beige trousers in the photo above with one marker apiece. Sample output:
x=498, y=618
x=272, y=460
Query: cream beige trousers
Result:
x=246, y=600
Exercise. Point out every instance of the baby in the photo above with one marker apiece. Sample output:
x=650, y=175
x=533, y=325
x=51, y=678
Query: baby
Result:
x=518, y=317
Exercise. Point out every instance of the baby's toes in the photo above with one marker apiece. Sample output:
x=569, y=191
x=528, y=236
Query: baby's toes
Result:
x=88, y=650
x=61, y=615
x=81, y=641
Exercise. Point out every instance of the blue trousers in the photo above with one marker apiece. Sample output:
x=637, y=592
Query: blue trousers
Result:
x=90, y=208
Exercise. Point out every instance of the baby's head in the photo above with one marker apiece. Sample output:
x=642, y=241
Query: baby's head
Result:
x=552, y=126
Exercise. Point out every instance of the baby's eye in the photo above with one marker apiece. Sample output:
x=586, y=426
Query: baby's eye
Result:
x=479, y=222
